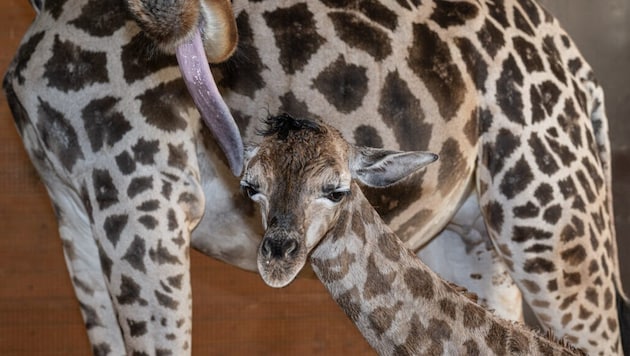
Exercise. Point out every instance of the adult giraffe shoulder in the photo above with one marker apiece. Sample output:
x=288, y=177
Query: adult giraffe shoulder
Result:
x=305, y=177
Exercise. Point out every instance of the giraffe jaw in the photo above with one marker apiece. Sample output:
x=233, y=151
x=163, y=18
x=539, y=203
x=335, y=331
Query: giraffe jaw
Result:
x=214, y=112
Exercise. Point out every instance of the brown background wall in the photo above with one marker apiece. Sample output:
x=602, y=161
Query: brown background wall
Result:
x=234, y=312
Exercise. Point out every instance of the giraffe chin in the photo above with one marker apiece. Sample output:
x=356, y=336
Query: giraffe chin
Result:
x=278, y=273
x=196, y=73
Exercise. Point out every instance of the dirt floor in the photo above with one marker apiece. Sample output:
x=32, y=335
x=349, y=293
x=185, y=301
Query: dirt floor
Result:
x=234, y=312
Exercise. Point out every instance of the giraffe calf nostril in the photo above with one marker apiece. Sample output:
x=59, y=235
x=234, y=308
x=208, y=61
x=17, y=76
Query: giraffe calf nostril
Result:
x=266, y=248
x=291, y=247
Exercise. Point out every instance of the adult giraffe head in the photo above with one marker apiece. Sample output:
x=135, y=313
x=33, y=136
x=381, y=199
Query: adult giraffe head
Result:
x=199, y=31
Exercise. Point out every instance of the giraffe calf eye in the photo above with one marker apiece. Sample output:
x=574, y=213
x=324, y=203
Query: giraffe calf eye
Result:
x=336, y=196
x=248, y=190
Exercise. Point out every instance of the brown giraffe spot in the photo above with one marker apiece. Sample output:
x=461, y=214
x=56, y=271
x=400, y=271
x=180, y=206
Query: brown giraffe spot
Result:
x=544, y=194
x=538, y=265
x=103, y=123
x=139, y=58
x=608, y=299
x=457, y=13
x=474, y=316
x=574, y=256
x=452, y=170
x=373, y=10
x=343, y=85
x=296, y=35
x=430, y=59
x=472, y=349
x=331, y=271
x=592, y=296
x=376, y=282
x=544, y=159
x=411, y=226
x=521, y=23
x=402, y=112
x=297, y=108
x=58, y=135
x=562, y=151
x=531, y=286
x=566, y=318
x=584, y=313
x=554, y=59
x=538, y=248
x=540, y=303
x=475, y=65
x=161, y=105
x=130, y=292
x=349, y=302
x=493, y=212
x=571, y=279
x=496, y=338
x=578, y=327
x=360, y=34
x=114, y=226
x=161, y=255
x=25, y=52
x=166, y=301
x=491, y=38
x=381, y=318
x=531, y=10
x=516, y=179
x=448, y=307
x=496, y=155
x=552, y=285
x=91, y=316
x=135, y=254
x=106, y=262
x=389, y=245
x=528, y=54
x=137, y=185
x=529, y=210
x=72, y=68
x=365, y=135
x=419, y=283
x=357, y=225
x=612, y=324
x=568, y=301
x=248, y=78
x=508, y=94
x=518, y=343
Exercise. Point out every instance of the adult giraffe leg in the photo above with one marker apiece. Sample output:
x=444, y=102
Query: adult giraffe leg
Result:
x=551, y=234
x=143, y=244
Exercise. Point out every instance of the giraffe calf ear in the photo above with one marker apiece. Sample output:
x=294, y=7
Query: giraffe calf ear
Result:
x=380, y=168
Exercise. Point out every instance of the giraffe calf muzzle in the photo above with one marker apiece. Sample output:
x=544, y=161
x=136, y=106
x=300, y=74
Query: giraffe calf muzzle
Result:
x=279, y=248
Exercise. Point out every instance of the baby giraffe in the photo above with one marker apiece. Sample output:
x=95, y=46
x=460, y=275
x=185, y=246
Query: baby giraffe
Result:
x=305, y=177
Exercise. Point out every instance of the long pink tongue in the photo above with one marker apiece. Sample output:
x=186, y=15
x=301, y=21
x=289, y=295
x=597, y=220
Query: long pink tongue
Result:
x=215, y=113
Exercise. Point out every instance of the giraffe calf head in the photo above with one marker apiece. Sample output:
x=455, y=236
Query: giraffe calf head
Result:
x=301, y=175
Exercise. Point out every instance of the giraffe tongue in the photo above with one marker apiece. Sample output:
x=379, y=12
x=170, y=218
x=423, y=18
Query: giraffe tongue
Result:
x=215, y=113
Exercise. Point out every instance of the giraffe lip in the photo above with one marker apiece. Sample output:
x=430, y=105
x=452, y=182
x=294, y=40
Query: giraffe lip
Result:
x=214, y=112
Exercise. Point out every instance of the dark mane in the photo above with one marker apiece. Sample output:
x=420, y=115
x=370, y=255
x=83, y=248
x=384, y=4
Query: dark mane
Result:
x=282, y=124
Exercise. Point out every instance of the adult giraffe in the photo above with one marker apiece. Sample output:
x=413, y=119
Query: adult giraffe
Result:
x=496, y=88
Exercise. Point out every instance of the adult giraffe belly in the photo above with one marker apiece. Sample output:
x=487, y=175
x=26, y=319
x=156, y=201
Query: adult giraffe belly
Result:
x=303, y=59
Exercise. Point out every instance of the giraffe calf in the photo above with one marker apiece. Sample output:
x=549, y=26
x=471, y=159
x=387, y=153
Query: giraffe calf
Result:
x=305, y=177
